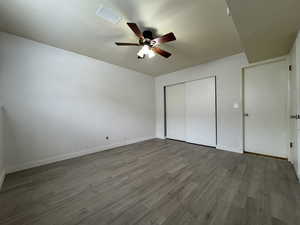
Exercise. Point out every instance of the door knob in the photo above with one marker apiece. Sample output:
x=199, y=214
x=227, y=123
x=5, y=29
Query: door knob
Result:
x=246, y=114
x=297, y=117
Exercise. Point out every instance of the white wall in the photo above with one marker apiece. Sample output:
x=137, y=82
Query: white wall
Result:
x=229, y=119
x=59, y=104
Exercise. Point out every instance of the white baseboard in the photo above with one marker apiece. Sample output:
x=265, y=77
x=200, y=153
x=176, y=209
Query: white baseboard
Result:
x=162, y=138
x=230, y=149
x=32, y=164
x=220, y=147
x=2, y=176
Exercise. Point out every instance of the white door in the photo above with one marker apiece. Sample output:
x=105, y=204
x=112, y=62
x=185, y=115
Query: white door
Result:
x=200, y=112
x=266, y=118
x=175, y=111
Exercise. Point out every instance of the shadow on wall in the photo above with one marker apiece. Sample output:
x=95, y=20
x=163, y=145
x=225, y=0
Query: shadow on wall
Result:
x=1, y=146
x=9, y=139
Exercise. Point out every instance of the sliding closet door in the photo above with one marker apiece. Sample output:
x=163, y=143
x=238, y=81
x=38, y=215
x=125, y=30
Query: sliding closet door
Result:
x=201, y=112
x=175, y=111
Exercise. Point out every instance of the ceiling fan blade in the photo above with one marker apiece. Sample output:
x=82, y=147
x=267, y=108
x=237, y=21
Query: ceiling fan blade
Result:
x=161, y=52
x=127, y=44
x=165, y=38
x=135, y=29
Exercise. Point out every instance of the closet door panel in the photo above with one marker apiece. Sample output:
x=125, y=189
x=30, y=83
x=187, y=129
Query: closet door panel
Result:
x=175, y=111
x=201, y=112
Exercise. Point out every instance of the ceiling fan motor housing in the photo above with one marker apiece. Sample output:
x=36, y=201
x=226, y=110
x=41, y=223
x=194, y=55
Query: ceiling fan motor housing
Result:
x=148, y=39
x=148, y=34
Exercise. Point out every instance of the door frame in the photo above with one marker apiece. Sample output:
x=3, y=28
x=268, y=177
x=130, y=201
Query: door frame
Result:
x=183, y=82
x=294, y=147
x=279, y=59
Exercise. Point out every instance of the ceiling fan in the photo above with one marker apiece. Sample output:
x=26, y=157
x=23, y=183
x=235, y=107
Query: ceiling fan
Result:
x=150, y=44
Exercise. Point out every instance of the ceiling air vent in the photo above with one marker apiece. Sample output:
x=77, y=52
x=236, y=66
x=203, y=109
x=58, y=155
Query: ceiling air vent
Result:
x=108, y=14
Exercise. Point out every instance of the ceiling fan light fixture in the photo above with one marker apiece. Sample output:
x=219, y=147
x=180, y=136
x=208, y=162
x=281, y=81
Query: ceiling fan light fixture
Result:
x=140, y=54
x=151, y=54
x=146, y=51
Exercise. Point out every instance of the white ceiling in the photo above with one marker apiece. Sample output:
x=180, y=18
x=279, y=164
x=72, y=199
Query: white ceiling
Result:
x=203, y=29
x=267, y=28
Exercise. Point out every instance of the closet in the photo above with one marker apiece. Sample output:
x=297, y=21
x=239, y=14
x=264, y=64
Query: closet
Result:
x=191, y=111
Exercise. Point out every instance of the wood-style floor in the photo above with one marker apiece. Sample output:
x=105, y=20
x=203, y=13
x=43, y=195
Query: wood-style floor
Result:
x=157, y=182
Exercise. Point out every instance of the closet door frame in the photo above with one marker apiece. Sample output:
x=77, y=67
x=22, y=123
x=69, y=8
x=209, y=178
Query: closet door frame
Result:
x=183, y=82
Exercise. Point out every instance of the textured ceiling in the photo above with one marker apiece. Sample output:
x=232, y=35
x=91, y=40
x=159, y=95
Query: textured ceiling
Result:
x=267, y=28
x=203, y=29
